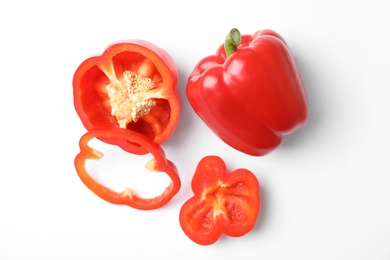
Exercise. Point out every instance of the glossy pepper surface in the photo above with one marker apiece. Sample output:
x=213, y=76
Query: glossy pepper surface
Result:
x=132, y=85
x=159, y=164
x=250, y=93
x=223, y=203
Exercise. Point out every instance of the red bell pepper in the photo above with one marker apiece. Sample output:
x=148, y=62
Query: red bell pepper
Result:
x=159, y=163
x=132, y=85
x=223, y=203
x=250, y=93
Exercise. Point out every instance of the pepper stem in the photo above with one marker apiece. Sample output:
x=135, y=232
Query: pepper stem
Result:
x=232, y=40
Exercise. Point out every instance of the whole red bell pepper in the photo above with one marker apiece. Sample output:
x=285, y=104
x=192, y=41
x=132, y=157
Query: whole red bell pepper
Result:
x=159, y=163
x=132, y=85
x=223, y=203
x=250, y=93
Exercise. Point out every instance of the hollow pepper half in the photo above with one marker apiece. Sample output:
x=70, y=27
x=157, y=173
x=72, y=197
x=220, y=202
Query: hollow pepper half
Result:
x=223, y=203
x=159, y=163
x=250, y=93
x=132, y=85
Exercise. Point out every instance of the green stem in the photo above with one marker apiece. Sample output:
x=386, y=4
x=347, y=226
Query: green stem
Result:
x=232, y=40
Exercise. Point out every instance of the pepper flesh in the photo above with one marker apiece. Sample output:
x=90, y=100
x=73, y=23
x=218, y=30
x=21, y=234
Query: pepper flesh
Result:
x=252, y=98
x=159, y=163
x=223, y=203
x=132, y=85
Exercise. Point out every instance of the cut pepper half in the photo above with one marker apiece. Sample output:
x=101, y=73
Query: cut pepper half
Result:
x=159, y=163
x=223, y=203
x=132, y=85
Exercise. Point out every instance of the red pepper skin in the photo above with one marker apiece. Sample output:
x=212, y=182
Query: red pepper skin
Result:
x=223, y=203
x=252, y=98
x=127, y=197
x=91, y=98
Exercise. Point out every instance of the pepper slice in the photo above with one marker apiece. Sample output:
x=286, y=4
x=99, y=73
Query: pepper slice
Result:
x=159, y=163
x=132, y=85
x=223, y=203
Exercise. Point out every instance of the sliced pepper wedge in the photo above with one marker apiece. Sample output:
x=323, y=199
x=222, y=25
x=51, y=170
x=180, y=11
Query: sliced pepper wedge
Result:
x=223, y=203
x=159, y=163
x=132, y=85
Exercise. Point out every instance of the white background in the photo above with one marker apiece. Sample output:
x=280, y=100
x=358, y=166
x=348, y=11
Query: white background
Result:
x=325, y=191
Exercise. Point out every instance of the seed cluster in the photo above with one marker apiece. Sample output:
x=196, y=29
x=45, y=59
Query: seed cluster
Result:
x=127, y=99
